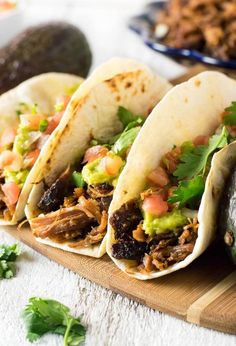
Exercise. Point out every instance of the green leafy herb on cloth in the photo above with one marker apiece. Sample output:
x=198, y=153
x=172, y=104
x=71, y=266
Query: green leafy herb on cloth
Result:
x=8, y=255
x=43, y=316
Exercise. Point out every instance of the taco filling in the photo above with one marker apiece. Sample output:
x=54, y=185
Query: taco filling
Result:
x=74, y=208
x=20, y=148
x=160, y=227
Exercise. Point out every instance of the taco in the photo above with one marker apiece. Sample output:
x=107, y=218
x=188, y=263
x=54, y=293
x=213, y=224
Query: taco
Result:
x=163, y=212
x=68, y=205
x=28, y=115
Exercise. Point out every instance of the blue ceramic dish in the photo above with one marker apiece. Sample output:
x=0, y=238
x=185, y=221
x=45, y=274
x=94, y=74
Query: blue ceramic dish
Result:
x=142, y=25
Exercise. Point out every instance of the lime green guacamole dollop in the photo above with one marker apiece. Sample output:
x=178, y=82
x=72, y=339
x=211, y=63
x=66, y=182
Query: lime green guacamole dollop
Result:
x=18, y=177
x=169, y=222
x=94, y=173
x=20, y=144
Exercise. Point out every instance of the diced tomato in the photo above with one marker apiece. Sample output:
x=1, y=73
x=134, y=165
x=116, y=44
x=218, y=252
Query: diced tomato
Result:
x=94, y=153
x=51, y=127
x=201, y=140
x=54, y=122
x=33, y=120
x=12, y=191
x=11, y=160
x=155, y=205
x=113, y=164
x=8, y=136
x=31, y=158
x=159, y=177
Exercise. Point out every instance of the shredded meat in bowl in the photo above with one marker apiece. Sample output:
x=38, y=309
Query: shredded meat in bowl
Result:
x=208, y=26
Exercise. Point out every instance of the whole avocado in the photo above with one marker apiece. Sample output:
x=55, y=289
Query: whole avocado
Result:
x=227, y=216
x=50, y=47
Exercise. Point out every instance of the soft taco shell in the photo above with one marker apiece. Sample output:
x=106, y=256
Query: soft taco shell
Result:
x=42, y=90
x=190, y=109
x=92, y=113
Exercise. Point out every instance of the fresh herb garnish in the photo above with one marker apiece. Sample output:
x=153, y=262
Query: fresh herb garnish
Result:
x=193, y=165
x=230, y=117
x=188, y=192
x=78, y=179
x=34, y=108
x=194, y=162
x=43, y=125
x=128, y=118
x=125, y=140
x=42, y=316
x=8, y=255
x=23, y=108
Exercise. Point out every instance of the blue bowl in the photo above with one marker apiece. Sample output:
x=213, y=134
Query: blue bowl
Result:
x=143, y=24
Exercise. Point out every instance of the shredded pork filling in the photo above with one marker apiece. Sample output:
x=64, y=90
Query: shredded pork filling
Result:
x=156, y=253
x=6, y=209
x=80, y=219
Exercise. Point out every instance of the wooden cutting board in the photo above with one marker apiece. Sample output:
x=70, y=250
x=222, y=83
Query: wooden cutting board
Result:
x=204, y=293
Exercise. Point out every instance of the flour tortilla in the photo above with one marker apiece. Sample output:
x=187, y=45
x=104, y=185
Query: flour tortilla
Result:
x=190, y=109
x=92, y=113
x=44, y=91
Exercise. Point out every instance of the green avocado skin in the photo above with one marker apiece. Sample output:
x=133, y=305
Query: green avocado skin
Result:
x=50, y=47
x=227, y=216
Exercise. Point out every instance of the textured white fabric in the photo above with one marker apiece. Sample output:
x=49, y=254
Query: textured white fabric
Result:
x=111, y=319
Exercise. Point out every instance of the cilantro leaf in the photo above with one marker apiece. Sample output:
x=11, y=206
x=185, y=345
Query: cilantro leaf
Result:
x=42, y=316
x=125, y=140
x=43, y=125
x=78, y=179
x=8, y=255
x=188, y=192
x=230, y=118
x=127, y=117
x=194, y=162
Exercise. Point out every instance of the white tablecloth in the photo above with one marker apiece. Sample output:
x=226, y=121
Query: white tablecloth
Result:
x=111, y=319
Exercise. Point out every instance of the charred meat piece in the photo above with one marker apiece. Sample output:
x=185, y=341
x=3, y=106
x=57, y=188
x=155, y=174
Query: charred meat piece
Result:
x=164, y=236
x=66, y=222
x=100, y=190
x=126, y=219
x=132, y=250
x=105, y=203
x=53, y=197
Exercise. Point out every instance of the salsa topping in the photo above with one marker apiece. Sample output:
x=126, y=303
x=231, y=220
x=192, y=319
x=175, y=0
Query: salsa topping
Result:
x=82, y=194
x=20, y=148
x=168, y=205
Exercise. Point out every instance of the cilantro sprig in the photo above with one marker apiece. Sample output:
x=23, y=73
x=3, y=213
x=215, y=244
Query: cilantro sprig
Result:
x=188, y=192
x=128, y=119
x=132, y=124
x=43, y=316
x=194, y=161
x=230, y=117
x=192, y=168
x=8, y=255
x=119, y=143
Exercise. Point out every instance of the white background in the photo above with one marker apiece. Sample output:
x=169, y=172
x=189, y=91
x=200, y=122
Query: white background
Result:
x=111, y=319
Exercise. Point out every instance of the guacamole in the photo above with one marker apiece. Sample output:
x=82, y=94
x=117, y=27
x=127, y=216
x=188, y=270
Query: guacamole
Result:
x=153, y=225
